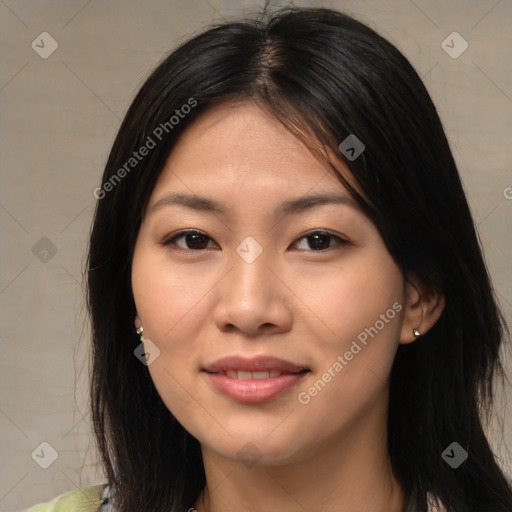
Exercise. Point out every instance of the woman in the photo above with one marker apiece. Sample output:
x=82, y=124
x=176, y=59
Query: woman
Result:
x=290, y=307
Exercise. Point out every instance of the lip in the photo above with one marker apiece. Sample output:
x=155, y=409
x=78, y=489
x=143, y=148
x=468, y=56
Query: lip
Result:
x=253, y=364
x=254, y=390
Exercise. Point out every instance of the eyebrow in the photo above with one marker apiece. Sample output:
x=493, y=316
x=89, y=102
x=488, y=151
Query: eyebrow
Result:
x=290, y=207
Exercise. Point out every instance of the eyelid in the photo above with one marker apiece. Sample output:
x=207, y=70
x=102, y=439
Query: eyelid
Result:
x=342, y=240
x=167, y=241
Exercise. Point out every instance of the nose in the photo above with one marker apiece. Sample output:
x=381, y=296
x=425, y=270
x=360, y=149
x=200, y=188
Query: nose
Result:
x=253, y=298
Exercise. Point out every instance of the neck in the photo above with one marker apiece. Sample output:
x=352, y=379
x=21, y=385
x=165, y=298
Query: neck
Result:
x=350, y=473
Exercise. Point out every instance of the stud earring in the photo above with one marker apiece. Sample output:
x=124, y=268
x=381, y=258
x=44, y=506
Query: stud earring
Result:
x=416, y=332
x=139, y=331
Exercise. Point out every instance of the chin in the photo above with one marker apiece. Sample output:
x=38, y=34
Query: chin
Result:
x=255, y=446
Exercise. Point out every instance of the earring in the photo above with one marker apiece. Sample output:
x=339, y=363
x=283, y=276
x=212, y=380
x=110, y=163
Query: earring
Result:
x=416, y=332
x=139, y=331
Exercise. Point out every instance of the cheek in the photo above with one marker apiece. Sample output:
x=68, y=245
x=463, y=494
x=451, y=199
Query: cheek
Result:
x=173, y=303
x=169, y=305
x=347, y=299
x=166, y=296
x=360, y=308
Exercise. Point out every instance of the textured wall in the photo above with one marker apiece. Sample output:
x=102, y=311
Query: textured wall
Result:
x=59, y=117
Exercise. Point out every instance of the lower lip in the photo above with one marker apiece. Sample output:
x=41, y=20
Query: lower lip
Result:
x=255, y=390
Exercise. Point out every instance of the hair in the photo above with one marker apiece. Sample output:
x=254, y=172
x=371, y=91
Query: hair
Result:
x=324, y=76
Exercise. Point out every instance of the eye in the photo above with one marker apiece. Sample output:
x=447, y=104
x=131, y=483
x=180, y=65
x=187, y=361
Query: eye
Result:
x=319, y=240
x=193, y=240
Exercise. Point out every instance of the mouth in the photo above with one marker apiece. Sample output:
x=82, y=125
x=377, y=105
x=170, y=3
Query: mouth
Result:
x=259, y=375
x=254, y=380
x=259, y=366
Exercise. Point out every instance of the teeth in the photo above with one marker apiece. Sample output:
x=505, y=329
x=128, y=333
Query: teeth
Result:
x=243, y=375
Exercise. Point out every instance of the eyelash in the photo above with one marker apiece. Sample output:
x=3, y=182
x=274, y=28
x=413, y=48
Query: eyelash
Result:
x=168, y=242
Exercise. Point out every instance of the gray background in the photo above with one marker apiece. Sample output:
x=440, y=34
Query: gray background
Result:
x=59, y=116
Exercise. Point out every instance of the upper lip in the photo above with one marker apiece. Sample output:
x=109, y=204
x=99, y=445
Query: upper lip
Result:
x=253, y=364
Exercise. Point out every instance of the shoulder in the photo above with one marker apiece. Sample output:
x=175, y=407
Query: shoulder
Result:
x=82, y=499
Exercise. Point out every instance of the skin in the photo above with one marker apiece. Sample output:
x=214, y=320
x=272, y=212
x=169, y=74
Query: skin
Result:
x=293, y=302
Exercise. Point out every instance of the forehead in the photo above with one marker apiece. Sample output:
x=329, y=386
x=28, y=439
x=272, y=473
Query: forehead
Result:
x=241, y=145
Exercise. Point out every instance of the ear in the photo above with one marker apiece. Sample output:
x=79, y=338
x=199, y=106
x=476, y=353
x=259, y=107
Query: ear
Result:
x=137, y=322
x=423, y=308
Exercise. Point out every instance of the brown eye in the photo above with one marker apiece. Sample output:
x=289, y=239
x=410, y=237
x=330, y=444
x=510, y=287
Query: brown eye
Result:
x=192, y=240
x=319, y=241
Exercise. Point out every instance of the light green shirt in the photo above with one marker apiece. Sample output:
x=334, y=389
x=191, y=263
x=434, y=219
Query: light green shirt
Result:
x=83, y=499
x=88, y=499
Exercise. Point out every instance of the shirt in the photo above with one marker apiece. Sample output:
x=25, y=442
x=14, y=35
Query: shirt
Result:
x=96, y=499
x=84, y=499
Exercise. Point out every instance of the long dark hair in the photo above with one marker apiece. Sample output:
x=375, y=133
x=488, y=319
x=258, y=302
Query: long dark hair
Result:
x=325, y=76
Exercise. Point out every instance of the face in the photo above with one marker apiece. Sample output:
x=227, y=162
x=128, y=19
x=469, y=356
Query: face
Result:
x=276, y=318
